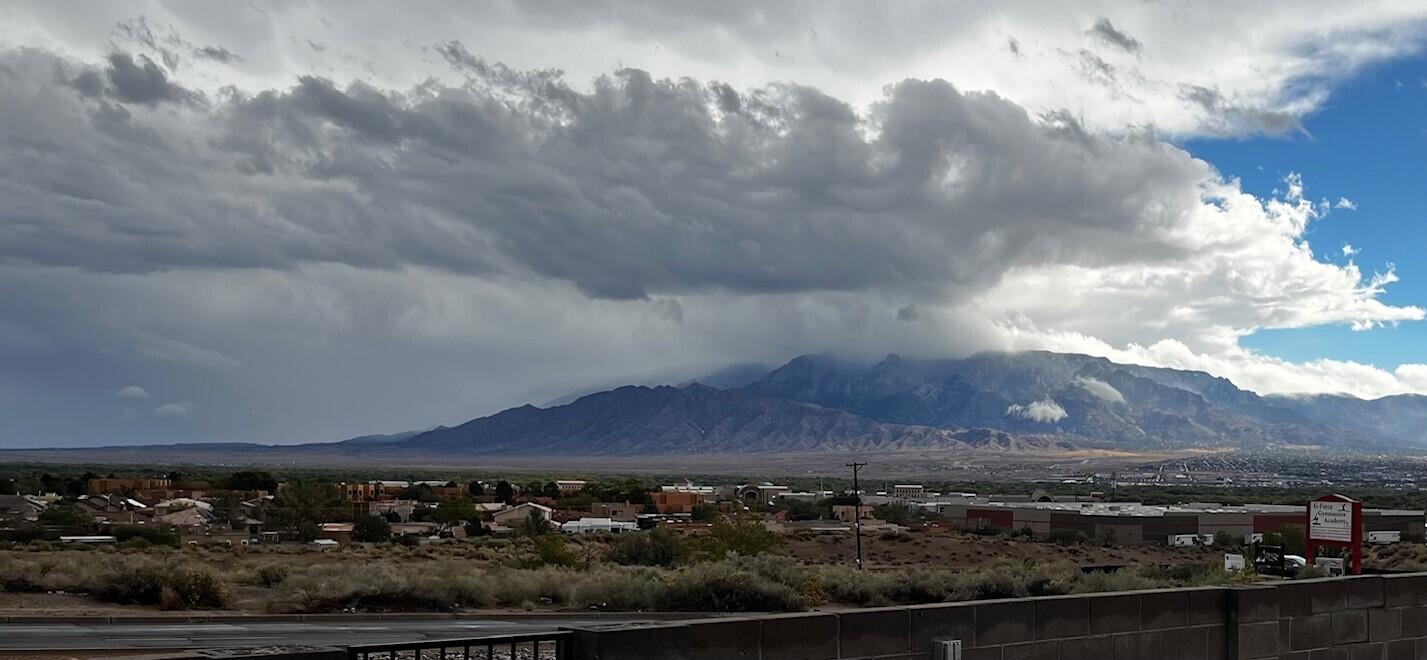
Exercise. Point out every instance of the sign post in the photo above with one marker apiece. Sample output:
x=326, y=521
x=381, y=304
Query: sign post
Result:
x=1335, y=521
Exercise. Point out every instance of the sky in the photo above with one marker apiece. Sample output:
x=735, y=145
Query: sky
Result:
x=290, y=222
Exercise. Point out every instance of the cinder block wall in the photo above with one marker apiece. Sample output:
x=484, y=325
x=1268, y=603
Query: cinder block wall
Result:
x=1377, y=617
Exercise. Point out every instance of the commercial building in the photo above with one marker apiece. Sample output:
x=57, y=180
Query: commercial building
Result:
x=569, y=486
x=597, y=526
x=908, y=491
x=1132, y=523
x=667, y=501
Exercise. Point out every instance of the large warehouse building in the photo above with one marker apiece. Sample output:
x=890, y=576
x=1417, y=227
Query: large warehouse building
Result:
x=1130, y=523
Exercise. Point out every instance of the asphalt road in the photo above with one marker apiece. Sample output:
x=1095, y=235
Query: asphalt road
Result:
x=171, y=636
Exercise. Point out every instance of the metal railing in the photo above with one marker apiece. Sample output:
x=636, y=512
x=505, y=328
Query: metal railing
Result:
x=533, y=646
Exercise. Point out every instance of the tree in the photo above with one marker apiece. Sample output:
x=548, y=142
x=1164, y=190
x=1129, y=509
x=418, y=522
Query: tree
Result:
x=476, y=489
x=64, y=515
x=250, y=480
x=536, y=525
x=550, y=550
x=745, y=537
x=551, y=490
x=304, y=504
x=704, y=513
x=454, y=512
x=504, y=492
x=371, y=529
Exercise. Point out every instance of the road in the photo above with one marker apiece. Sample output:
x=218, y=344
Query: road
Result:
x=173, y=636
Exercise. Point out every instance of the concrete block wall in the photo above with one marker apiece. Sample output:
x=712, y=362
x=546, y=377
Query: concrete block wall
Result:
x=1358, y=618
x=1182, y=624
x=1367, y=617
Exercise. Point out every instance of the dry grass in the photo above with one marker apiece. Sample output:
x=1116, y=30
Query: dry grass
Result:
x=492, y=573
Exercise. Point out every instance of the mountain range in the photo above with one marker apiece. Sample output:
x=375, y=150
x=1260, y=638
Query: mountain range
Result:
x=1009, y=402
x=996, y=402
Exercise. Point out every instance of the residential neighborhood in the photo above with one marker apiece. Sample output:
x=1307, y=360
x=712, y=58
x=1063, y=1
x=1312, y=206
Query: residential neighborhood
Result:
x=254, y=507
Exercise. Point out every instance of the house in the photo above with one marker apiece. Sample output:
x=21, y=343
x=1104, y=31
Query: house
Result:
x=323, y=545
x=104, y=486
x=114, y=509
x=845, y=512
x=188, y=520
x=516, y=515
x=402, y=508
x=335, y=532
x=20, y=508
x=169, y=506
x=597, y=526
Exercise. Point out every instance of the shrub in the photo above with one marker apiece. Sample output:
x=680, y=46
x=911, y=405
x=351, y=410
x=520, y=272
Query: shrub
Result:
x=1067, y=537
x=660, y=547
x=551, y=550
x=371, y=529
x=744, y=537
x=183, y=586
x=722, y=587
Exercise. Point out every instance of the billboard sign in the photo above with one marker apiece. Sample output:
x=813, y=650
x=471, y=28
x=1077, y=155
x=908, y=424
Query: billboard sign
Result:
x=1330, y=521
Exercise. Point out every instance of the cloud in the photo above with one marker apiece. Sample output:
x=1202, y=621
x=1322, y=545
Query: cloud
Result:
x=217, y=54
x=142, y=81
x=132, y=392
x=180, y=409
x=1045, y=411
x=1105, y=31
x=300, y=247
x=1099, y=388
x=1349, y=250
x=1345, y=203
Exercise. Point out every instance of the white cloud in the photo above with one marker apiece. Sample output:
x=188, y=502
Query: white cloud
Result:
x=1045, y=411
x=1345, y=203
x=1100, y=389
x=132, y=392
x=1197, y=67
x=180, y=409
x=1349, y=250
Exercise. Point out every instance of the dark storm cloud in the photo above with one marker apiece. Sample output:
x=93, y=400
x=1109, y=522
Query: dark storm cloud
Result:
x=1106, y=32
x=142, y=81
x=635, y=187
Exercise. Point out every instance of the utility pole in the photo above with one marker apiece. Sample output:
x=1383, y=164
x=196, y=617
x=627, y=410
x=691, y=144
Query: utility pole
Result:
x=857, y=509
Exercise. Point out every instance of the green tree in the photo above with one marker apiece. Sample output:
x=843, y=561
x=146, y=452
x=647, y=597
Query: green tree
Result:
x=64, y=515
x=302, y=505
x=476, y=489
x=371, y=529
x=249, y=480
x=504, y=492
x=744, y=537
x=551, y=550
x=454, y=512
x=536, y=525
